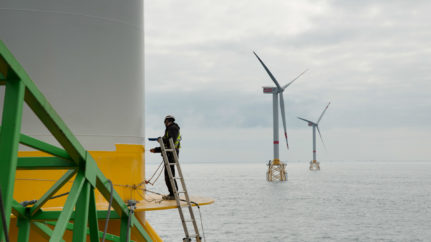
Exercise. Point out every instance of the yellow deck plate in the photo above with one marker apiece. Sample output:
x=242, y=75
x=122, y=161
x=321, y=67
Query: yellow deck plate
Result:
x=155, y=202
x=151, y=202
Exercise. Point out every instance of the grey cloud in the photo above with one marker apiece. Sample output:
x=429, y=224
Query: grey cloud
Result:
x=370, y=58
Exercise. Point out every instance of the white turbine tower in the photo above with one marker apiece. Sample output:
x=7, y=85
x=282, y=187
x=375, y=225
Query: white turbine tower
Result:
x=276, y=169
x=314, y=165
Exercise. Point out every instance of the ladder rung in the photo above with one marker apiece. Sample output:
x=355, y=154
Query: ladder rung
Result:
x=172, y=164
x=169, y=150
x=177, y=177
x=193, y=236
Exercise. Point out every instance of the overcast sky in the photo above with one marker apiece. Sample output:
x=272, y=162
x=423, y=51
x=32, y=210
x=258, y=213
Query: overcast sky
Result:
x=371, y=59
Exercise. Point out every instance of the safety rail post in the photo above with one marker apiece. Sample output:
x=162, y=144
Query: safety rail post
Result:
x=9, y=137
x=24, y=229
x=81, y=211
x=124, y=227
x=92, y=218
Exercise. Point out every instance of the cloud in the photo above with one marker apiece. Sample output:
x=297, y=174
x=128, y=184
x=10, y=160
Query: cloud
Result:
x=370, y=59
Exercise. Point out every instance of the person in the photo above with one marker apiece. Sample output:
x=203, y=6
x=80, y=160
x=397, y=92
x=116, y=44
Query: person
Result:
x=172, y=131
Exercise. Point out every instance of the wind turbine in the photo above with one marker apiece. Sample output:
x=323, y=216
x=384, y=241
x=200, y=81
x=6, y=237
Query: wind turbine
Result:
x=276, y=169
x=314, y=165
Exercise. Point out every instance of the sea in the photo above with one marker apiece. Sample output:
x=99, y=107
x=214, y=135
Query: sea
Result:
x=344, y=201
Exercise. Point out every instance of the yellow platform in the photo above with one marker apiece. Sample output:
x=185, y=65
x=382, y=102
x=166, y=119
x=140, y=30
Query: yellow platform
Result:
x=125, y=167
x=155, y=202
x=151, y=202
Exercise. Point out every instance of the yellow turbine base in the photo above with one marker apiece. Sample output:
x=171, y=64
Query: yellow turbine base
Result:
x=276, y=162
x=276, y=171
x=314, y=165
x=125, y=167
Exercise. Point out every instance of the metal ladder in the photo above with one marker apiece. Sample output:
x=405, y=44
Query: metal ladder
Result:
x=177, y=193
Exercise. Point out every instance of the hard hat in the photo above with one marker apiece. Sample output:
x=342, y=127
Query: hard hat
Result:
x=170, y=117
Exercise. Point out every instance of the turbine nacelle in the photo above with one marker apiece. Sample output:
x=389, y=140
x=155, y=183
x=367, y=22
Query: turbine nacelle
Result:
x=270, y=90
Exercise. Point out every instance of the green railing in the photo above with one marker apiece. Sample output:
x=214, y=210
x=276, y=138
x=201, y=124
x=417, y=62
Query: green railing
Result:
x=80, y=205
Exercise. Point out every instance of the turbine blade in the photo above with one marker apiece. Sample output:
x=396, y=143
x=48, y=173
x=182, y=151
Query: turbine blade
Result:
x=283, y=117
x=323, y=113
x=306, y=120
x=267, y=71
x=288, y=84
x=318, y=130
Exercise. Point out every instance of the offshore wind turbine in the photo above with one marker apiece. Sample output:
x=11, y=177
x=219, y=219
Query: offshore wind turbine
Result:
x=276, y=169
x=314, y=165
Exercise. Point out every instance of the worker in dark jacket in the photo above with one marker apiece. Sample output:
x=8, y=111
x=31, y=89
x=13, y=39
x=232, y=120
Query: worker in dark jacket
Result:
x=172, y=131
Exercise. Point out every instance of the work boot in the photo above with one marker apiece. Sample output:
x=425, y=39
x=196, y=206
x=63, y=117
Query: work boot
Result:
x=168, y=197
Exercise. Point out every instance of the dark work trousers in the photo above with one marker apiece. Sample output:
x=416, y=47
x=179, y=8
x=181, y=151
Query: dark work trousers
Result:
x=167, y=181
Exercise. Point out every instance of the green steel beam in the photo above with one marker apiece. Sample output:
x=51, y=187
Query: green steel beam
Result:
x=20, y=88
x=110, y=237
x=124, y=228
x=6, y=73
x=103, y=214
x=42, y=146
x=37, y=102
x=44, y=163
x=92, y=218
x=63, y=180
x=141, y=230
x=44, y=230
x=65, y=215
x=43, y=110
x=23, y=229
x=18, y=210
x=104, y=188
x=81, y=212
x=90, y=169
x=3, y=70
x=9, y=137
x=53, y=215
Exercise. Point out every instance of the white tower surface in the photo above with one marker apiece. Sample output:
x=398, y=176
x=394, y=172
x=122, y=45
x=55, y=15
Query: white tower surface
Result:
x=276, y=168
x=86, y=57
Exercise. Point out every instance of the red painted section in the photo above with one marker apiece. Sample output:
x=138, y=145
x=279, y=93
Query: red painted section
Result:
x=267, y=90
x=276, y=142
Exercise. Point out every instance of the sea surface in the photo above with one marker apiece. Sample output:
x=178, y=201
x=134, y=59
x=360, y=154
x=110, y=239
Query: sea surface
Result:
x=344, y=201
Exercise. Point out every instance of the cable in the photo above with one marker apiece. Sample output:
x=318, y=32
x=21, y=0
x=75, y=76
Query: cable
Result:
x=141, y=191
x=3, y=217
x=200, y=217
x=26, y=203
x=60, y=195
x=109, y=211
x=152, y=192
x=128, y=225
x=202, y=225
x=31, y=202
x=152, y=183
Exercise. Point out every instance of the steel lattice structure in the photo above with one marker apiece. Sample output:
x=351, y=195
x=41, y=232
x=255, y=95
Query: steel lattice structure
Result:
x=80, y=205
